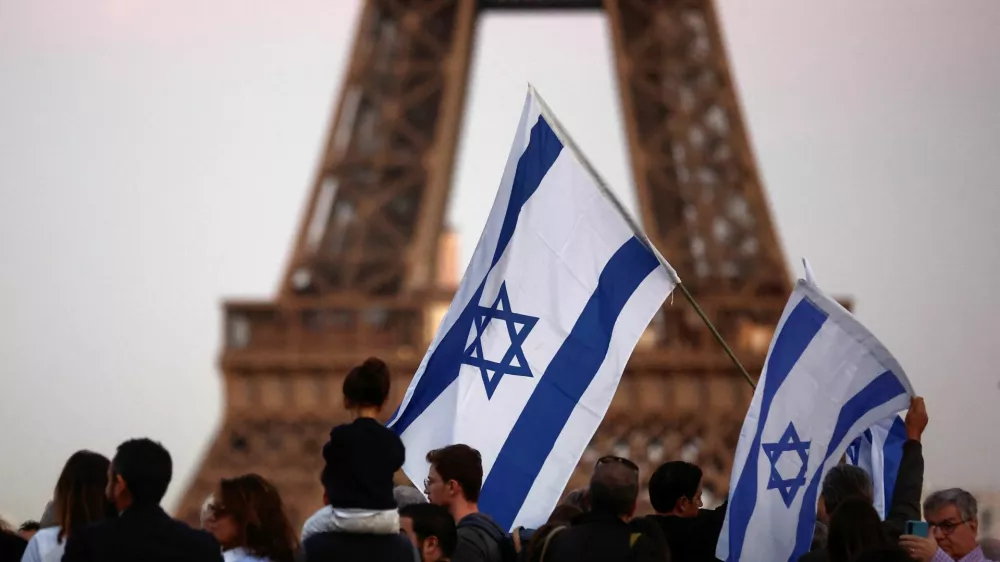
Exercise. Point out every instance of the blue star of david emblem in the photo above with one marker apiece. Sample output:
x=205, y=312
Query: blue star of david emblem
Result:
x=518, y=327
x=788, y=443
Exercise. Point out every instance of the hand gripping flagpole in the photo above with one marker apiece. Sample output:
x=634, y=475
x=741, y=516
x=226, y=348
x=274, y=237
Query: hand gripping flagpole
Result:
x=603, y=186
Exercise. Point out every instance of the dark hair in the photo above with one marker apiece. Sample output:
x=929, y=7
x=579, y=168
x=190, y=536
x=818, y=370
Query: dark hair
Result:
x=614, y=487
x=846, y=481
x=561, y=516
x=255, y=505
x=460, y=463
x=578, y=498
x=431, y=520
x=671, y=482
x=29, y=525
x=146, y=468
x=79, y=497
x=367, y=384
x=855, y=527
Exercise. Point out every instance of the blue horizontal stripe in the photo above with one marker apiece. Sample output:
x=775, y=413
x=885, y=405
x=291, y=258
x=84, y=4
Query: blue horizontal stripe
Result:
x=568, y=375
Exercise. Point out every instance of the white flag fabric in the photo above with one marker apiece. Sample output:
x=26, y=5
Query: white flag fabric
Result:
x=524, y=365
x=826, y=379
x=879, y=451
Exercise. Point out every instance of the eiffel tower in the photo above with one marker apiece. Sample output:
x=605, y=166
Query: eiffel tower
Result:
x=362, y=278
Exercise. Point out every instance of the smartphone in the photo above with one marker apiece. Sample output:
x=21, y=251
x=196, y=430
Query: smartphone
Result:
x=917, y=528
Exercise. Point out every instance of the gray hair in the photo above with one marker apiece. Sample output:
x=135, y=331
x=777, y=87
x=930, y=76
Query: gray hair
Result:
x=407, y=495
x=206, y=509
x=962, y=500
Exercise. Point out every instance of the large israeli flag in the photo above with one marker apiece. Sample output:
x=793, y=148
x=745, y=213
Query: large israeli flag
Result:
x=826, y=379
x=878, y=451
x=524, y=365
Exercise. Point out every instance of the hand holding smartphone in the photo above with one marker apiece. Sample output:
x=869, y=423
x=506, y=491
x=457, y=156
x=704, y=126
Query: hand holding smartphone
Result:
x=917, y=528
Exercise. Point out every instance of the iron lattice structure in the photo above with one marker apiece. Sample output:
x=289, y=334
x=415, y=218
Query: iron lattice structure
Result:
x=362, y=279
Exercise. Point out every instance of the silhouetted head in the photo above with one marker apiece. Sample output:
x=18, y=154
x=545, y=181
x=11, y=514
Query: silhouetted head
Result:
x=139, y=474
x=675, y=489
x=367, y=385
x=842, y=482
x=80, y=497
x=614, y=487
x=855, y=527
x=431, y=529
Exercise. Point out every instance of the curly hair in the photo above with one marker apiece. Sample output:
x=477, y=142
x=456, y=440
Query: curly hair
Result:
x=256, y=507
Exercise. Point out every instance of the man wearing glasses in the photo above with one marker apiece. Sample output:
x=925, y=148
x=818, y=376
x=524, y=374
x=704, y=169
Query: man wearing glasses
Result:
x=954, y=527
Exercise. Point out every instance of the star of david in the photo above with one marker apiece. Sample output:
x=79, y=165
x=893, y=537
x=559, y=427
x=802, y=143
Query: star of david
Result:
x=518, y=327
x=788, y=443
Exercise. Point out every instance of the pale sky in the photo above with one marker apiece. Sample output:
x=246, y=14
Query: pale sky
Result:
x=155, y=157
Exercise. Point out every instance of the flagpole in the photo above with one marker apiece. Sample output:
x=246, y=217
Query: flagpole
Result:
x=568, y=142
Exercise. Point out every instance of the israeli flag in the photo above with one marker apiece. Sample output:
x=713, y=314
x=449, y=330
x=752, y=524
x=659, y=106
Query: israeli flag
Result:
x=524, y=365
x=879, y=451
x=826, y=379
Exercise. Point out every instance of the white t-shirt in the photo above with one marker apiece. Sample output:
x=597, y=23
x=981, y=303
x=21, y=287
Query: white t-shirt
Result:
x=45, y=547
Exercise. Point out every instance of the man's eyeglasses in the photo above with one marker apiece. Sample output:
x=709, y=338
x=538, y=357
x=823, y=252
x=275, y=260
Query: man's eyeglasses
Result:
x=947, y=527
x=620, y=460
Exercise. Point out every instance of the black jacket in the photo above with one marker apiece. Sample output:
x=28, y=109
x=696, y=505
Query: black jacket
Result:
x=905, y=505
x=692, y=539
x=600, y=537
x=479, y=539
x=356, y=547
x=141, y=533
x=12, y=547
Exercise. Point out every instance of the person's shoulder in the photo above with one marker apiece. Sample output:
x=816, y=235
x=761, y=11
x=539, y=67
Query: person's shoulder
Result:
x=202, y=541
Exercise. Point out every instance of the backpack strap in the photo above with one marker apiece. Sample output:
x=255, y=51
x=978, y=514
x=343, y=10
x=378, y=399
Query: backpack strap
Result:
x=516, y=536
x=548, y=538
x=633, y=538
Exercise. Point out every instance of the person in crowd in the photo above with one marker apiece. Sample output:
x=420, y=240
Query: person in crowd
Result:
x=48, y=516
x=249, y=521
x=407, y=495
x=11, y=545
x=845, y=481
x=28, y=529
x=854, y=528
x=431, y=529
x=604, y=534
x=953, y=517
x=138, y=478
x=360, y=520
x=562, y=516
x=454, y=481
x=690, y=531
x=579, y=499
x=80, y=500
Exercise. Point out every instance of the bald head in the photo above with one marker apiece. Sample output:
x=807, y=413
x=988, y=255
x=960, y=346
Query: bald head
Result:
x=614, y=488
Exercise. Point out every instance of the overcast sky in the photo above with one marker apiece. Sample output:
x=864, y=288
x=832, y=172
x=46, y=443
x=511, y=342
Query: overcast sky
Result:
x=155, y=157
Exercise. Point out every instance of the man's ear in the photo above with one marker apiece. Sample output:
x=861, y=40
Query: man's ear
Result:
x=431, y=543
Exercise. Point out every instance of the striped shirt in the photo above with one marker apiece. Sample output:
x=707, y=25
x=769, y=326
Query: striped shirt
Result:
x=974, y=556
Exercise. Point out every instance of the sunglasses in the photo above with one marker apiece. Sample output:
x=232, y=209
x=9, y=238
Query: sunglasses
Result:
x=620, y=460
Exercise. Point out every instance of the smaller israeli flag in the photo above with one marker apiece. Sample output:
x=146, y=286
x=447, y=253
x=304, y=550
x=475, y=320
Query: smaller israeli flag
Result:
x=879, y=451
x=826, y=380
x=525, y=363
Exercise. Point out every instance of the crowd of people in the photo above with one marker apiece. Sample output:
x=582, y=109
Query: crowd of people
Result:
x=109, y=509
